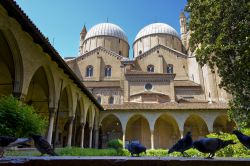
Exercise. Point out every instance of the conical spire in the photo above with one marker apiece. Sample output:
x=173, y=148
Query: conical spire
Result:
x=182, y=15
x=84, y=30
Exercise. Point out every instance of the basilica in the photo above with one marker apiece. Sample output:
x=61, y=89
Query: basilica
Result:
x=101, y=94
x=158, y=95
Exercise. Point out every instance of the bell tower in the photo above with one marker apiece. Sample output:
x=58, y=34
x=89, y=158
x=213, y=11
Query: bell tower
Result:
x=82, y=37
x=183, y=25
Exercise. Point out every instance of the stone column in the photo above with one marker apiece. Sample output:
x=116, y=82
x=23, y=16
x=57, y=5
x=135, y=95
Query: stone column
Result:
x=52, y=112
x=182, y=133
x=152, y=139
x=96, y=137
x=123, y=139
x=90, y=136
x=82, y=134
x=71, y=120
x=19, y=95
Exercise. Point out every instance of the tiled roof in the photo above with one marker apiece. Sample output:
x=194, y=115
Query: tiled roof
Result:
x=120, y=57
x=100, y=84
x=166, y=106
x=138, y=72
x=180, y=83
x=178, y=53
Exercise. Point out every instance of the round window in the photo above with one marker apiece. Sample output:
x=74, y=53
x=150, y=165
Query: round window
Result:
x=148, y=86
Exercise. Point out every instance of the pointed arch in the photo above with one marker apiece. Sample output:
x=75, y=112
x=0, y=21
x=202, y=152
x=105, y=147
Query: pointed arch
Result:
x=38, y=91
x=63, y=118
x=77, y=126
x=70, y=99
x=9, y=44
x=51, y=82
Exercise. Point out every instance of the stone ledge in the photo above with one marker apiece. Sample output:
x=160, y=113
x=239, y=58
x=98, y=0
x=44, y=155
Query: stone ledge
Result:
x=121, y=161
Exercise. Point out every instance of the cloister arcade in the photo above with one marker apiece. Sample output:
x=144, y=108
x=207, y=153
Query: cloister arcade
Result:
x=40, y=78
x=160, y=129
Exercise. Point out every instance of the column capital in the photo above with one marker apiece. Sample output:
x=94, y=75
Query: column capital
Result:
x=21, y=96
x=71, y=119
x=52, y=110
x=83, y=124
x=96, y=129
x=90, y=128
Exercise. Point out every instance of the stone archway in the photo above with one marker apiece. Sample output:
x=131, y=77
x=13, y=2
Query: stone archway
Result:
x=77, y=127
x=11, y=65
x=166, y=132
x=87, y=131
x=7, y=68
x=196, y=125
x=111, y=128
x=138, y=130
x=38, y=92
x=63, y=119
x=222, y=124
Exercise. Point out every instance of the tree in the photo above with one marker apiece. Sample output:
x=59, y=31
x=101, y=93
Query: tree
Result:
x=18, y=119
x=220, y=35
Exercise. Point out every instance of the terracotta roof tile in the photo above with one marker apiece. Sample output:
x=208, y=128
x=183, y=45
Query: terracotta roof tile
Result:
x=181, y=83
x=100, y=84
x=138, y=72
x=166, y=106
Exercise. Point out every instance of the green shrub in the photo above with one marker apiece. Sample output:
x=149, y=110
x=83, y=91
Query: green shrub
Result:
x=75, y=151
x=115, y=144
x=156, y=152
x=18, y=119
x=237, y=150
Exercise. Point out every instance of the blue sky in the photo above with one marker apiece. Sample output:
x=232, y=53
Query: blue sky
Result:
x=62, y=20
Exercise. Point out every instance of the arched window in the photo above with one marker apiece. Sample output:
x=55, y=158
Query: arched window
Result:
x=150, y=68
x=170, y=69
x=108, y=71
x=120, y=52
x=111, y=100
x=89, y=71
x=140, y=52
x=99, y=99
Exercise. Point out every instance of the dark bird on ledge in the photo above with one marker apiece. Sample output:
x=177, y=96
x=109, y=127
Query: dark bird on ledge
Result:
x=136, y=148
x=182, y=145
x=211, y=145
x=6, y=142
x=42, y=145
x=244, y=139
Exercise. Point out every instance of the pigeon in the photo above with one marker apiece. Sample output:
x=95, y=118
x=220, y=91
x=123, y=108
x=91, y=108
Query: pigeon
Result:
x=136, y=148
x=42, y=145
x=7, y=141
x=244, y=139
x=182, y=145
x=211, y=145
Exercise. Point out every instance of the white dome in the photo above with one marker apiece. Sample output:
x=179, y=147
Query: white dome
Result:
x=156, y=28
x=106, y=29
